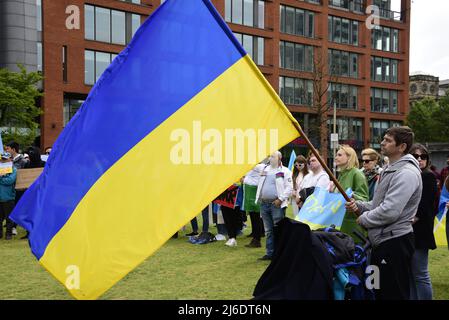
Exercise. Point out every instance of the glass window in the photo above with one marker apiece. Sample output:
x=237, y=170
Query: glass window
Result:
x=260, y=51
x=237, y=14
x=344, y=93
x=337, y=30
x=355, y=33
x=310, y=25
x=39, y=57
x=300, y=92
x=309, y=59
x=282, y=19
x=345, y=31
x=394, y=101
x=395, y=38
x=377, y=38
x=354, y=65
x=102, y=24
x=289, y=20
x=289, y=90
x=71, y=106
x=228, y=13
x=377, y=69
x=344, y=64
x=386, y=41
x=39, y=15
x=89, y=22
x=299, y=57
x=386, y=70
x=118, y=27
x=282, y=54
x=248, y=44
x=394, y=71
x=248, y=12
x=300, y=20
x=289, y=55
x=377, y=100
x=102, y=61
x=261, y=14
x=89, y=67
x=353, y=97
x=281, y=88
x=135, y=23
x=385, y=101
x=309, y=93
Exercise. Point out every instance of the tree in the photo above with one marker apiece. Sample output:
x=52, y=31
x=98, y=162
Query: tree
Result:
x=429, y=119
x=18, y=111
x=323, y=76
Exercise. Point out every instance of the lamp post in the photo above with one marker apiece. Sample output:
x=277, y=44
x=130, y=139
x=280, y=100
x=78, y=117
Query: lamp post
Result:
x=334, y=139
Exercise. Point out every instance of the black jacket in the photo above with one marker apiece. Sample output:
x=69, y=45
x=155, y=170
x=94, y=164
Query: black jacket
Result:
x=423, y=228
x=301, y=268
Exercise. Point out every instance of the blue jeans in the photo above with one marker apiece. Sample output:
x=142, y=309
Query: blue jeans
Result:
x=271, y=215
x=194, y=222
x=421, y=285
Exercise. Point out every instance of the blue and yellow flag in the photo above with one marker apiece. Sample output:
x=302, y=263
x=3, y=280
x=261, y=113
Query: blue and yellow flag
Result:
x=440, y=224
x=291, y=162
x=178, y=116
x=323, y=209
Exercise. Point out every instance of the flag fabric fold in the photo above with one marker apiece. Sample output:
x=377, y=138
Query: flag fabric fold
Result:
x=123, y=176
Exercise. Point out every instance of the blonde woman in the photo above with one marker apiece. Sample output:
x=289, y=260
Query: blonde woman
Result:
x=350, y=176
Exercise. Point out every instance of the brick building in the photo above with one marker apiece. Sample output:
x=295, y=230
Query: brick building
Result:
x=370, y=67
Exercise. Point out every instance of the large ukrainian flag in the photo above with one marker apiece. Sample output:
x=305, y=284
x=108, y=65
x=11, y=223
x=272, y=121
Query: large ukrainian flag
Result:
x=110, y=194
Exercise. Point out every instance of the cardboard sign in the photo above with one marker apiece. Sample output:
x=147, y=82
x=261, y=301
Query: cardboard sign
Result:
x=5, y=168
x=228, y=198
x=26, y=177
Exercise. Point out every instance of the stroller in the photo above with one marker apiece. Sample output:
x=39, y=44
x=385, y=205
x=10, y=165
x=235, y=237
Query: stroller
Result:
x=349, y=262
x=324, y=264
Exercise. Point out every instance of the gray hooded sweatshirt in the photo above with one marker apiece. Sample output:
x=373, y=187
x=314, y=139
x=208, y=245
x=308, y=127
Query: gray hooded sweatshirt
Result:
x=390, y=214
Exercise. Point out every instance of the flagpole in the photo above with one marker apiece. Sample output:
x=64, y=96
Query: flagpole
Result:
x=323, y=164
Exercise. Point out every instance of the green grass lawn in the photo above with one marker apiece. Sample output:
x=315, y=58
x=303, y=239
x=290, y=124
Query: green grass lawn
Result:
x=179, y=270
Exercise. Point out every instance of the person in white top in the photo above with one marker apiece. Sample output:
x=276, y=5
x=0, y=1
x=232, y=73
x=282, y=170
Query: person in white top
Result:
x=300, y=170
x=273, y=193
x=316, y=177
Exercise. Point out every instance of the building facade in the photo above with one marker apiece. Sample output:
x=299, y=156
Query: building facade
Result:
x=423, y=86
x=367, y=70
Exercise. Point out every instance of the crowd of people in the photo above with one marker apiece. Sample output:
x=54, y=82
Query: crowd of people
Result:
x=394, y=203
x=9, y=196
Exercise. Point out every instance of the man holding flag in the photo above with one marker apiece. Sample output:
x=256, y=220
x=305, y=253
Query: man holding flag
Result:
x=388, y=217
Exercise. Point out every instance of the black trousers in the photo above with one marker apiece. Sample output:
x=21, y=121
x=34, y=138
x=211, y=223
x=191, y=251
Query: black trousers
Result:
x=5, y=209
x=233, y=220
x=256, y=225
x=394, y=260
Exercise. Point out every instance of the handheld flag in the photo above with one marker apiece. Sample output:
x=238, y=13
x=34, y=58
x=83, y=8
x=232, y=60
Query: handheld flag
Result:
x=292, y=160
x=323, y=209
x=178, y=116
x=439, y=230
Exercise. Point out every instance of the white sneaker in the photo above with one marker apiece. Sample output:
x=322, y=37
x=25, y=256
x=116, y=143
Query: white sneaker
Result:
x=231, y=243
x=220, y=237
x=14, y=231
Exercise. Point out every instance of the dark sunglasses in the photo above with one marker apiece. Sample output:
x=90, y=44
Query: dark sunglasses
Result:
x=367, y=161
x=422, y=156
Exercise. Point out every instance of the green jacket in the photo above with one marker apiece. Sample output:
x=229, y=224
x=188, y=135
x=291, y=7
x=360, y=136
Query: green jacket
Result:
x=354, y=179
